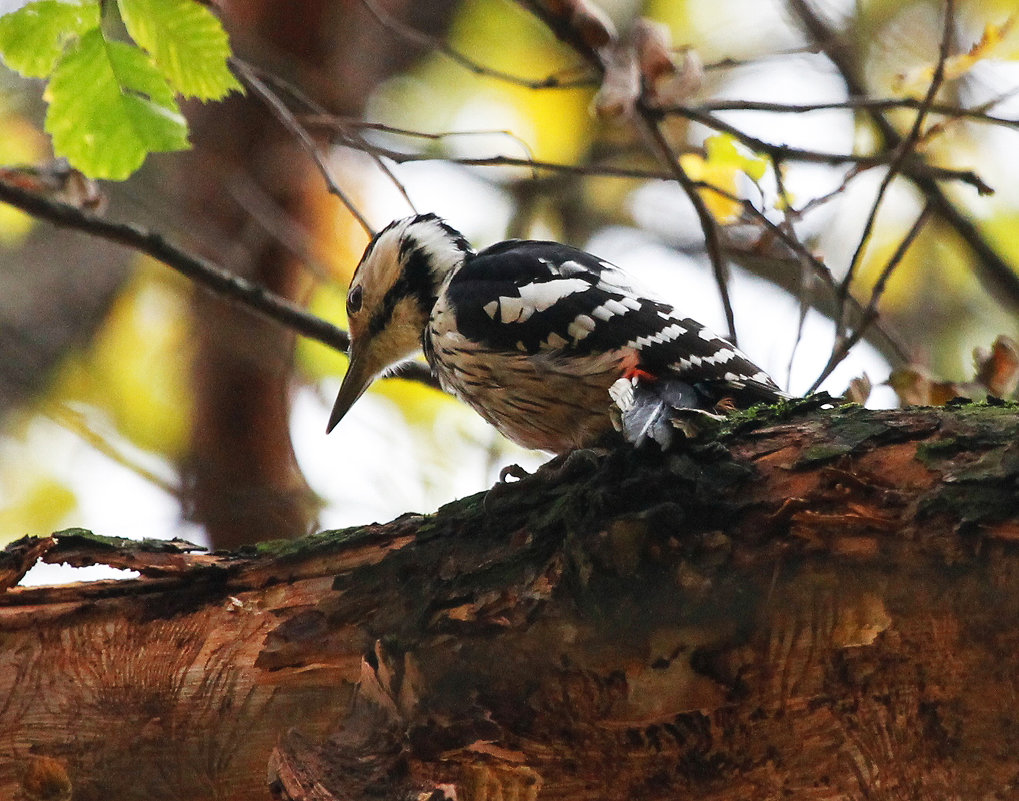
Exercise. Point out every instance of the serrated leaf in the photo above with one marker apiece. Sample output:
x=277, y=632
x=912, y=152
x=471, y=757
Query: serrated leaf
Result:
x=110, y=107
x=33, y=38
x=186, y=41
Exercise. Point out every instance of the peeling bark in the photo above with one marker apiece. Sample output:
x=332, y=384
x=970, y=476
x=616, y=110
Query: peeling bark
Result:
x=819, y=606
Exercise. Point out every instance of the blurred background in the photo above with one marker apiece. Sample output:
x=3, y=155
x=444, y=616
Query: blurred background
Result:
x=137, y=405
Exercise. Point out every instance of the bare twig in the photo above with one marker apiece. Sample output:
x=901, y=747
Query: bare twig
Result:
x=903, y=149
x=75, y=422
x=806, y=269
x=352, y=140
x=286, y=117
x=992, y=270
x=649, y=123
x=978, y=114
x=203, y=272
x=600, y=170
x=406, y=32
x=787, y=153
x=869, y=314
x=342, y=126
x=737, y=63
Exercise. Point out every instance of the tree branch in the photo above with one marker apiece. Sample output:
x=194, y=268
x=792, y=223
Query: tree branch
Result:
x=202, y=271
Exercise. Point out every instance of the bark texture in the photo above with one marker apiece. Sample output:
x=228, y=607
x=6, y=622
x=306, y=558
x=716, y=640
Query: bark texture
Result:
x=823, y=605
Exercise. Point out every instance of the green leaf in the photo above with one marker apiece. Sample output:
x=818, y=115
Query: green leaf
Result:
x=33, y=38
x=186, y=41
x=110, y=107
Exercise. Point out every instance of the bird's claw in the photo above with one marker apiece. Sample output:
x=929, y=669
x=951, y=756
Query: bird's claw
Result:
x=513, y=471
x=556, y=470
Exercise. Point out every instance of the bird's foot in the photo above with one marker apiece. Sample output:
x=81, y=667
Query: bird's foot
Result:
x=513, y=471
x=561, y=468
x=569, y=465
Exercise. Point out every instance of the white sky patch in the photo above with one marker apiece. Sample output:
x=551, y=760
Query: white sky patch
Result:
x=112, y=499
x=42, y=573
x=376, y=465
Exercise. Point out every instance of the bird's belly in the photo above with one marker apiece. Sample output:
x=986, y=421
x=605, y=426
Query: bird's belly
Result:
x=538, y=401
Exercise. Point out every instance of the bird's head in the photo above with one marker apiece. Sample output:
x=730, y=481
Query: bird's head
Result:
x=391, y=295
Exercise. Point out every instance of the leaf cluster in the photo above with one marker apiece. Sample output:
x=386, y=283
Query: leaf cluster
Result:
x=115, y=72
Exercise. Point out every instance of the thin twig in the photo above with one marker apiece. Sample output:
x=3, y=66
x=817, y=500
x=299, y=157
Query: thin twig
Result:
x=286, y=117
x=788, y=153
x=993, y=271
x=738, y=63
x=978, y=114
x=342, y=125
x=818, y=269
x=601, y=170
x=709, y=226
x=806, y=269
x=905, y=147
x=869, y=314
x=425, y=40
x=75, y=422
x=354, y=141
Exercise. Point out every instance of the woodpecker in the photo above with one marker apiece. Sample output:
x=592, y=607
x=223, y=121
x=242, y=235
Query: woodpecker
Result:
x=548, y=343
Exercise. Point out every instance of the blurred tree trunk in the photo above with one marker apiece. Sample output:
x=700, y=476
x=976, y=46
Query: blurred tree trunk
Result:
x=243, y=481
x=820, y=607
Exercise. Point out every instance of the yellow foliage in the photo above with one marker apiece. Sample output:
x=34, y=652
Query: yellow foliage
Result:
x=419, y=404
x=992, y=44
x=137, y=368
x=1003, y=231
x=722, y=168
x=442, y=97
x=42, y=504
x=20, y=143
x=316, y=360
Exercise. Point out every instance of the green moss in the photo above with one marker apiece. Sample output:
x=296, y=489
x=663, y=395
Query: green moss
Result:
x=321, y=540
x=83, y=537
x=933, y=453
x=819, y=454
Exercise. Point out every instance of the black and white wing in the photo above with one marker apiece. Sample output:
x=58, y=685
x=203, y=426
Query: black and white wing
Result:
x=551, y=300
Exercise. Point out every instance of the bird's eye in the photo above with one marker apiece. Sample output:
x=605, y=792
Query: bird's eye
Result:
x=354, y=300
